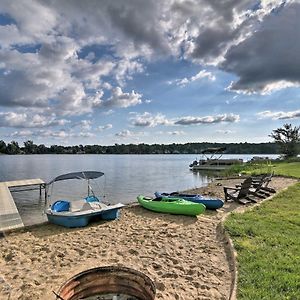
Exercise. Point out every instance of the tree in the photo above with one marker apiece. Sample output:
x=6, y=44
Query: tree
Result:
x=13, y=148
x=2, y=146
x=288, y=139
x=42, y=149
x=30, y=147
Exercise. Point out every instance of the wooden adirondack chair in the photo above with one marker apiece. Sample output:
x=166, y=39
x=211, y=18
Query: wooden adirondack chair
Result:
x=265, y=182
x=239, y=194
x=257, y=190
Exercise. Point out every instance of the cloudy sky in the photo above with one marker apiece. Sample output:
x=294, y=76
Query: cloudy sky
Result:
x=148, y=71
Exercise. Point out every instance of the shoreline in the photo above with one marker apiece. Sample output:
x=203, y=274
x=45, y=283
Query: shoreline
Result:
x=184, y=256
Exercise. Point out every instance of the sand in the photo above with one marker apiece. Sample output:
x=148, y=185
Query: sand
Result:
x=184, y=256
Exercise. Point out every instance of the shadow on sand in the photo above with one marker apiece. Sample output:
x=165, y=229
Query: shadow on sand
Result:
x=178, y=219
x=47, y=229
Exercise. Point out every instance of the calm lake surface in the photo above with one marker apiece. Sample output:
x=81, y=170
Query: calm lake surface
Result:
x=126, y=176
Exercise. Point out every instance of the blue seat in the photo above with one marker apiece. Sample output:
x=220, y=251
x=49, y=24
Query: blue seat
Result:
x=91, y=199
x=60, y=205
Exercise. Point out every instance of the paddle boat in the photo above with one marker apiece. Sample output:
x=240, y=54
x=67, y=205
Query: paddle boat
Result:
x=171, y=205
x=78, y=213
x=210, y=203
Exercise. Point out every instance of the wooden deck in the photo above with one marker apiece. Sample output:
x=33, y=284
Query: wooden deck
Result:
x=9, y=215
x=25, y=182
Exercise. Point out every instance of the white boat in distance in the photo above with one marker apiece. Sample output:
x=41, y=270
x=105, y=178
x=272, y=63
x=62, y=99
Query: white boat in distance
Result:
x=213, y=162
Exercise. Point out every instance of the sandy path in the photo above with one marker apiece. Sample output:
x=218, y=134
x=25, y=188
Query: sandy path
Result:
x=183, y=255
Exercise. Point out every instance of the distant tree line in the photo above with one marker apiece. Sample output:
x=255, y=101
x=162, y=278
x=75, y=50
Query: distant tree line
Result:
x=29, y=147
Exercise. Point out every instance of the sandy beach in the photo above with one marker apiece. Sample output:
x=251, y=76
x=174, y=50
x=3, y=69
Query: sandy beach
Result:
x=184, y=256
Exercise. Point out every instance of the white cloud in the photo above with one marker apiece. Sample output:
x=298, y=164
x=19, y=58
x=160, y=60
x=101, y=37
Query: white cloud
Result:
x=64, y=134
x=269, y=88
x=225, y=131
x=61, y=135
x=107, y=86
x=28, y=30
x=84, y=134
x=35, y=80
x=21, y=133
x=126, y=68
x=119, y=99
x=266, y=88
x=108, y=112
x=201, y=75
x=105, y=127
x=25, y=120
x=279, y=115
x=129, y=134
x=148, y=120
x=189, y=120
x=85, y=125
x=176, y=132
x=124, y=133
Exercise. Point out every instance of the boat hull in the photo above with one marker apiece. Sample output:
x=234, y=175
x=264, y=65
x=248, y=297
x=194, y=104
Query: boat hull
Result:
x=209, y=203
x=70, y=222
x=215, y=164
x=80, y=219
x=210, y=167
x=172, y=206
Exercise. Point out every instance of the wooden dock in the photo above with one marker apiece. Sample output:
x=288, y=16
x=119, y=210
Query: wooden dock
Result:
x=9, y=214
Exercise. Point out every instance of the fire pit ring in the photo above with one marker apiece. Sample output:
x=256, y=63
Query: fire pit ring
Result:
x=113, y=281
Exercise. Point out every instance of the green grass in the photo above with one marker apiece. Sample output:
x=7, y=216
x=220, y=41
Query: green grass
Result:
x=284, y=168
x=288, y=169
x=267, y=240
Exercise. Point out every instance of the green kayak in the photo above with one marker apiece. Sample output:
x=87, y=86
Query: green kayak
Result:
x=176, y=206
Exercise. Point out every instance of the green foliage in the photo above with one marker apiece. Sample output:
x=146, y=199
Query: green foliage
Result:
x=289, y=167
x=251, y=168
x=267, y=242
x=13, y=148
x=30, y=147
x=293, y=159
x=2, y=147
x=288, y=139
x=188, y=148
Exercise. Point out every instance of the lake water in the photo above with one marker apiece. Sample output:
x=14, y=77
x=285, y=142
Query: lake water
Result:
x=126, y=176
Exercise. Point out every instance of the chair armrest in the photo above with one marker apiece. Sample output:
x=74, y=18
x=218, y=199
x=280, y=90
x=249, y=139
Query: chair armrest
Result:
x=256, y=180
x=230, y=188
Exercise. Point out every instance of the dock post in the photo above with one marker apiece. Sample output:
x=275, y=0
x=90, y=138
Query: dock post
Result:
x=45, y=187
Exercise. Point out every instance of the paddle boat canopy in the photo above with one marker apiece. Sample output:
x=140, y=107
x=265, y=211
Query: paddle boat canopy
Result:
x=78, y=213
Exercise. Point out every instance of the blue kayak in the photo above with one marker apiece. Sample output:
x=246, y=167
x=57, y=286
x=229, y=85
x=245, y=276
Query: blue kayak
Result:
x=210, y=203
